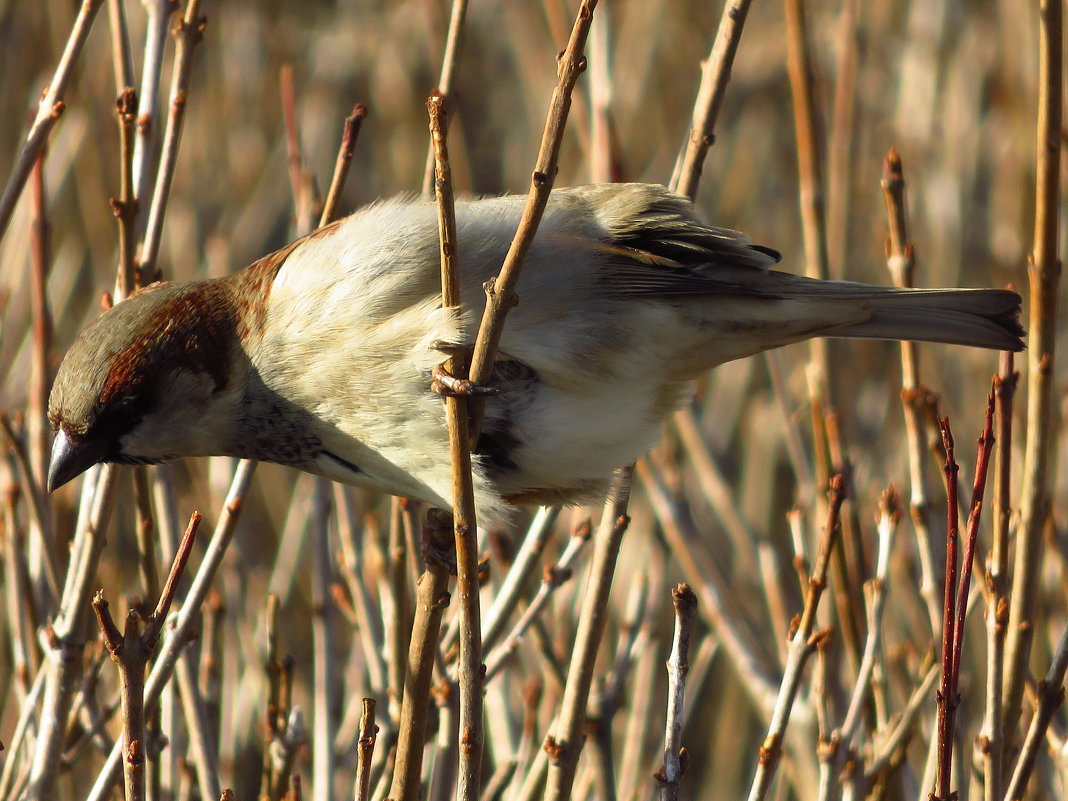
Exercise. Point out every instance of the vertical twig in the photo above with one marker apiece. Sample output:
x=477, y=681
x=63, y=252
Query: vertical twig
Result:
x=49, y=111
x=603, y=154
x=41, y=373
x=125, y=205
x=565, y=743
x=901, y=261
x=715, y=74
x=365, y=750
x=189, y=31
x=809, y=133
x=121, y=55
x=669, y=777
x=992, y=738
x=1050, y=697
x=351, y=131
x=430, y=601
x=842, y=139
x=324, y=679
x=947, y=698
x=803, y=642
x=130, y=649
x=180, y=631
x=454, y=42
x=1044, y=275
x=470, y=668
x=956, y=594
x=45, y=553
x=148, y=129
x=398, y=628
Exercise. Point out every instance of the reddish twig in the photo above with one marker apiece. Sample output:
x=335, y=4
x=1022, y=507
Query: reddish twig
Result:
x=351, y=132
x=955, y=607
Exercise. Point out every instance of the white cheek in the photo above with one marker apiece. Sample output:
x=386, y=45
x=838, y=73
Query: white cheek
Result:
x=191, y=419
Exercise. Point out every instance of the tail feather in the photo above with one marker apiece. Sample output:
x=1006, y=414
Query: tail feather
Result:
x=985, y=318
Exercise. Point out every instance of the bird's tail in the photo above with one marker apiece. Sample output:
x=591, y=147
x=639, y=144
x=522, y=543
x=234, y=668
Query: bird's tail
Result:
x=985, y=318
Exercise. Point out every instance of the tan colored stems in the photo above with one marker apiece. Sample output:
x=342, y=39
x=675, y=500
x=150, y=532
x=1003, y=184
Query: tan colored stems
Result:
x=901, y=261
x=500, y=292
x=1044, y=276
x=991, y=740
x=131, y=649
x=49, y=111
x=803, y=643
x=189, y=32
x=125, y=205
x=454, y=42
x=188, y=616
x=669, y=777
x=430, y=601
x=463, y=494
x=564, y=744
x=148, y=123
x=365, y=750
x=715, y=73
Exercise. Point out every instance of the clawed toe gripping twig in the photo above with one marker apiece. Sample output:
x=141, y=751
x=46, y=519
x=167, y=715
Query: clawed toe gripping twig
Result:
x=448, y=385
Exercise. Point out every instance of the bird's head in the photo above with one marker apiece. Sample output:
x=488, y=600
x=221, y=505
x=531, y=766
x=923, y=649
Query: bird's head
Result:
x=146, y=382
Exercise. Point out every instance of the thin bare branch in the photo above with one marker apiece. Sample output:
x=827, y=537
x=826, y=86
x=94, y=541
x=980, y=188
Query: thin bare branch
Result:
x=454, y=42
x=49, y=111
x=1044, y=277
x=344, y=161
x=189, y=32
x=1050, y=697
x=715, y=74
x=432, y=598
x=457, y=411
x=565, y=743
x=187, y=617
x=669, y=777
x=803, y=642
x=366, y=748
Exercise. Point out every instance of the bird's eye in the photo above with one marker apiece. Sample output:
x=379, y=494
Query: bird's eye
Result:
x=125, y=403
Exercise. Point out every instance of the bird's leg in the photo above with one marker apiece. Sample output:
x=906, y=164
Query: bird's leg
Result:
x=444, y=383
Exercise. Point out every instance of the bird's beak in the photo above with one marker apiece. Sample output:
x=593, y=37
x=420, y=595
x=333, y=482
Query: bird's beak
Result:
x=71, y=458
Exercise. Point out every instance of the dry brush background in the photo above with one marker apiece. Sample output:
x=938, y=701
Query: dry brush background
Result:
x=311, y=607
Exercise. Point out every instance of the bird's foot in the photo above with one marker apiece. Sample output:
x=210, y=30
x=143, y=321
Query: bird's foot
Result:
x=444, y=383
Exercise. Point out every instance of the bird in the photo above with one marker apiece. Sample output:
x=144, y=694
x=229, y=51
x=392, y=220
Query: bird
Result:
x=321, y=355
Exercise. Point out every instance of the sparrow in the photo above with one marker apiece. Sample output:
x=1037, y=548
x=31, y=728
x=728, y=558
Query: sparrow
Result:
x=320, y=356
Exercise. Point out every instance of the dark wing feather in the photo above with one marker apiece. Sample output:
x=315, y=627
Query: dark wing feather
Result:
x=664, y=250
